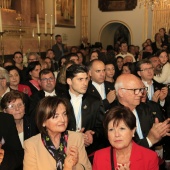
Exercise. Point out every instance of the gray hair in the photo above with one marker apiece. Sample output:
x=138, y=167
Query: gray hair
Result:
x=4, y=74
x=118, y=85
x=34, y=54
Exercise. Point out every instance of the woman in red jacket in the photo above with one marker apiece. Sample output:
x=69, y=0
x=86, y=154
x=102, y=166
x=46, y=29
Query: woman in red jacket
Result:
x=124, y=153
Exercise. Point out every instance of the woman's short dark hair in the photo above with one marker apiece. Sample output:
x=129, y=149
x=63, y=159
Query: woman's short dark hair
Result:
x=47, y=109
x=131, y=67
x=120, y=113
x=31, y=66
x=11, y=96
x=119, y=57
x=10, y=68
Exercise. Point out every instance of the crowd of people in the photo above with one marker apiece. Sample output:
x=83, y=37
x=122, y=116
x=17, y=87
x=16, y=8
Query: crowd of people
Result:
x=87, y=108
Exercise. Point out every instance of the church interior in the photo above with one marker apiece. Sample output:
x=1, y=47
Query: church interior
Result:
x=84, y=18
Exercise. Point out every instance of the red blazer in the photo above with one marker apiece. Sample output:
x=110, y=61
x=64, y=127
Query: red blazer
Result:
x=141, y=159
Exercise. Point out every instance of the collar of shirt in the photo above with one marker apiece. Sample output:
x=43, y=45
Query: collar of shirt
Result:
x=50, y=94
x=150, y=91
x=74, y=97
x=146, y=83
x=97, y=85
x=7, y=90
x=100, y=88
x=76, y=102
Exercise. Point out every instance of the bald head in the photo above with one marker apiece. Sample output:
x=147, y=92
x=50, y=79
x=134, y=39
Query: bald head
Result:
x=97, y=71
x=126, y=85
x=126, y=80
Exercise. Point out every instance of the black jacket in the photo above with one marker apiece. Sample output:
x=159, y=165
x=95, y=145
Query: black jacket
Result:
x=14, y=152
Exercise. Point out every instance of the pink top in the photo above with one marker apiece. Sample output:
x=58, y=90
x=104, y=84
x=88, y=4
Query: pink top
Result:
x=25, y=89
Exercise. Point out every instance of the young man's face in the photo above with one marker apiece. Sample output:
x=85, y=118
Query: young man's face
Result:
x=78, y=85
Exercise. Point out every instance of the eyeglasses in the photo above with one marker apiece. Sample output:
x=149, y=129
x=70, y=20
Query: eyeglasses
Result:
x=47, y=79
x=14, y=106
x=147, y=69
x=137, y=91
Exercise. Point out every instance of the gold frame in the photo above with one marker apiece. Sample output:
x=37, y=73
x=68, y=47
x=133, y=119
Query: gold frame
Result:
x=65, y=13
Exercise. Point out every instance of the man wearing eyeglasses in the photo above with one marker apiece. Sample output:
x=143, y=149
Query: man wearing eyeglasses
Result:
x=156, y=91
x=129, y=90
x=47, y=82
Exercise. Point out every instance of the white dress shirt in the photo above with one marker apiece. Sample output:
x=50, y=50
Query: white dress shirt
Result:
x=100, y=88
x=76, y=102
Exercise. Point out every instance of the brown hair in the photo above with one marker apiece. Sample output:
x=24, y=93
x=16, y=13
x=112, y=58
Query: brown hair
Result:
x=47, y=109
x=120, y=113
x=11, y=96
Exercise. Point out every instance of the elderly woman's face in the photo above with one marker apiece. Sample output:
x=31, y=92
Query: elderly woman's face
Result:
x=119, y=136
x=16, y=108
x=58, y=123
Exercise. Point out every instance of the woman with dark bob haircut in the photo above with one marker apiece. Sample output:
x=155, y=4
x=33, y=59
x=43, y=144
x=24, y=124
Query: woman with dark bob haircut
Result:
x=55, y=147
x=33, y=70
x=124, y=153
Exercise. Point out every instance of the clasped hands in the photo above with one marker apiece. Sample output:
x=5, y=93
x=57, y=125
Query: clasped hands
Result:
x=160, y=94
x=88, y=136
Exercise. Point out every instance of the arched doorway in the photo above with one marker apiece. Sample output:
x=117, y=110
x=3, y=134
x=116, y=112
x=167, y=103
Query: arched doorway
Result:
x=113, y=32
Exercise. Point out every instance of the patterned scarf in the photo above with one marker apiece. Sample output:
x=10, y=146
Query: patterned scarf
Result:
x=58, y=154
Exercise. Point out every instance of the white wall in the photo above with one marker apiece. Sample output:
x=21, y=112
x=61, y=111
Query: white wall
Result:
x=134, y=20
x=71, y=34
x=97, y=20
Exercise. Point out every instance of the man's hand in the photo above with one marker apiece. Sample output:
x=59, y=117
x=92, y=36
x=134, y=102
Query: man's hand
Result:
x=111, y=96
x=163, y=93
x=1, y=155
x=159, y=130
x=156, y=96
x=88, y=136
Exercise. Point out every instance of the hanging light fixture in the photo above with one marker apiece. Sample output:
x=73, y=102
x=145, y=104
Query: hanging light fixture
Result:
x=152, y=3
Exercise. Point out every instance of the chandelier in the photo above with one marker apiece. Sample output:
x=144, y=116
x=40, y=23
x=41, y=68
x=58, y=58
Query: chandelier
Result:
x=152, y=3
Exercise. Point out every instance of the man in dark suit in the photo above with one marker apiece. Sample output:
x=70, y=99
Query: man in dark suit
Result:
x=10, y=143
x=59, y=48
x=129, y=90
x=98, y=87
x=157, y=92
x=86, y=111
x=47, y=82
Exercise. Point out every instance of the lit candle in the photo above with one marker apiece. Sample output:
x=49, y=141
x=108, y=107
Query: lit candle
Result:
x=38, y=24
x=33, y=33
x=45, y=23
x=51, y=24
x=0, y=21
x=166, y=29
